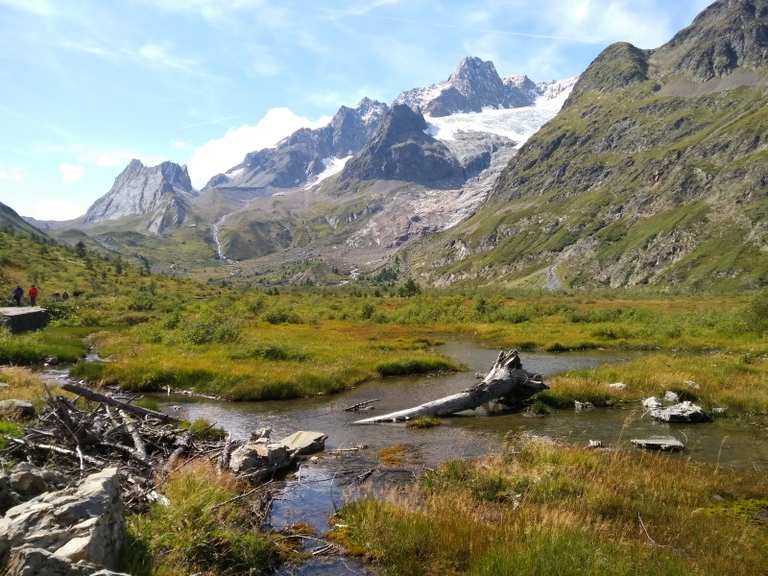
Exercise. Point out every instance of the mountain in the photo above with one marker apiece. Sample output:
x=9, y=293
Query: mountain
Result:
x=653, y=173
x=160, y=195
x=307, y=156
x=10, y=220
x=474, y=86
x=402, y=150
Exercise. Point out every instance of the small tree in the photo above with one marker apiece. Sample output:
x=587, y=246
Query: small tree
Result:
x=410, y=288
x=80, y=249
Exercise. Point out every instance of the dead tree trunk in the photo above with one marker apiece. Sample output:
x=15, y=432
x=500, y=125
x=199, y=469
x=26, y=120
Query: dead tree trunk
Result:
x=507, y=382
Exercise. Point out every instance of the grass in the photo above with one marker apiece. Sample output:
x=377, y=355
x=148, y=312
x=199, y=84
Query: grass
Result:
x=424, y=422
x=541, y=508
x=201, y=531
x=734, y=381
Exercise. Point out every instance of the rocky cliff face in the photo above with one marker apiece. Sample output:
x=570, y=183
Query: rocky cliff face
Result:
x=402, y=150
x=302, y=157
x=654, y=172
x=160, y=195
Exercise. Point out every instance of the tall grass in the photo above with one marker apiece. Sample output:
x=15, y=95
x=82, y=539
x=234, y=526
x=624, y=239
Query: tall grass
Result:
x=547, y=509
x=201, y=531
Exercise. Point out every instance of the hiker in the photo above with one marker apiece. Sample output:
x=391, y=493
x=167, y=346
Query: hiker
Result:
x=33, y=292
x=18, y=294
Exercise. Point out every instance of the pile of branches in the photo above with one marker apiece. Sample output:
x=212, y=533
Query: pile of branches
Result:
x=81, y=437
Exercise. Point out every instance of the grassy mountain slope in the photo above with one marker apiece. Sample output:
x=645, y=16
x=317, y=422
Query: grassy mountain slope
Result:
x=654, y=173
x=11, y=221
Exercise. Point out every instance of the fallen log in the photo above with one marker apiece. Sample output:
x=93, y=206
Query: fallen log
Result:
x=130, y=408
x=506, y=382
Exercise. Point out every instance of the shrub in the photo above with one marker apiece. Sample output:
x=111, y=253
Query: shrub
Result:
x=282, y=316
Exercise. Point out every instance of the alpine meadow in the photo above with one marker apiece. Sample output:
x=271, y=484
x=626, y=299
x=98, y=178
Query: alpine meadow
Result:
x=513, y=321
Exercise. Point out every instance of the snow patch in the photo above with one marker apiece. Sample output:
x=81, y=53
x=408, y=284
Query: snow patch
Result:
x=517, y=124
x=332, y=167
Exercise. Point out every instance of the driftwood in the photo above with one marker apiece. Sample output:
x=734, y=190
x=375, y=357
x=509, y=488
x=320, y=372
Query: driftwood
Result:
x=506, y=382
x=108, y=400
x=364, y=405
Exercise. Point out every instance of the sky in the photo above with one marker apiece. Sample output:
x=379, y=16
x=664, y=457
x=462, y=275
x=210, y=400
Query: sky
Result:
x=87, y=85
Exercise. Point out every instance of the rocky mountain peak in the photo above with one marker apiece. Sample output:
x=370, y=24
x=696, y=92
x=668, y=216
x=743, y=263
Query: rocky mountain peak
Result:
x=730, y=34
x=160, y=194
x=402, y=150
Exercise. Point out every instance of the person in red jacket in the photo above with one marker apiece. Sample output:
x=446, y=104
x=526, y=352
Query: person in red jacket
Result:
x=33, y=292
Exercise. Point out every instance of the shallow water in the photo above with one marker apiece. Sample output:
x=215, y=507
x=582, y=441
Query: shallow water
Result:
x=320, y=488
x=727, y=441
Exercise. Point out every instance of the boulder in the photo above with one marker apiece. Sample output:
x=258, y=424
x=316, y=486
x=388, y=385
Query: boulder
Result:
x=8, y=498
x=305, y=442
x=662, y=443
x=28, y=481
x=651, y=403
x=682, y=412
x=82, y=523
x=16, y=409
x=260, y=460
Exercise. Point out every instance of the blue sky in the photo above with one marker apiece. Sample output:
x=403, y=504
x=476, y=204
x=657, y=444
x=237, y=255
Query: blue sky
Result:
x=89, y=84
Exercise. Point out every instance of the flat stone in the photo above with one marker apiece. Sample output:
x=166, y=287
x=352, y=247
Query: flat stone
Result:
x=90, y=513
x=24, y=318
x=305, y=442
x=260, y=460
x=662, y=443
x=681, y=413
x=17, y=409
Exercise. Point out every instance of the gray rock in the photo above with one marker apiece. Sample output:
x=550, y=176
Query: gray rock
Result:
x=670, y=396
x=617, y=386
x=79, y=523
x=28, y=481
x=651, y=403
x=583, y=406
x=30, y=561
x=260, y=460
x=595, y=444
x=661, y=443
x=8, y=498
x=17, y=409
x=162, y=194
x=683, y=412
x=305, y=442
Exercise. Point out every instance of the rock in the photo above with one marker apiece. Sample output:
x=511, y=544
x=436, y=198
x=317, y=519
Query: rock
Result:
x=17, y=409
x=52, y=361
x=29, y=481
x=79, y=523
x=651, y=403
x=583, y=406
x=30, y=561
x=260, y=460
x=617, y=386
x=692, y=384
x=8, y=498
x=683, y=412
x=670, y=396
x=305, y=442
x=595, y=444
x=3, y=385
x=261, y=434
x=662, y=443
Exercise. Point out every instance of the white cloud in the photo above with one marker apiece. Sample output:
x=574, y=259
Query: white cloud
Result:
x=71, y=172
x=208, y=9
x=161, y=54
x=221, y=154
x=48, y=207
x=36, y=7
x=11, y=174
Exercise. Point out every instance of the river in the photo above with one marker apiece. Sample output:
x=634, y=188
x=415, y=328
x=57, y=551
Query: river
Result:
x=321, y=486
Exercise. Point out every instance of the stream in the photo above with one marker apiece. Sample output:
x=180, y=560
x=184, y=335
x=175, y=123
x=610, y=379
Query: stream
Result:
x=323, y=483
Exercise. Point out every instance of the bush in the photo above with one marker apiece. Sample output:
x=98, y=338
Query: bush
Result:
x=213, y=330
x=756, y=314
x=282, y=316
